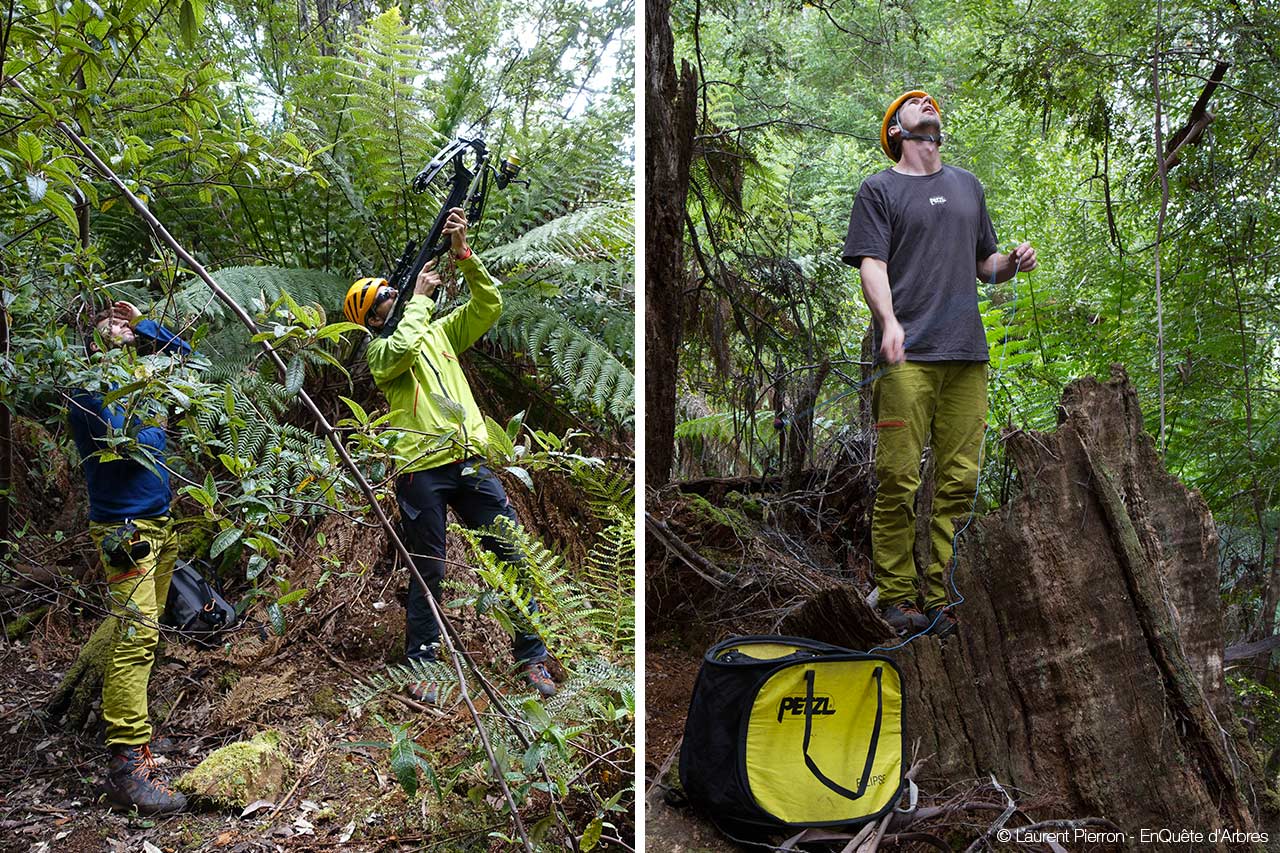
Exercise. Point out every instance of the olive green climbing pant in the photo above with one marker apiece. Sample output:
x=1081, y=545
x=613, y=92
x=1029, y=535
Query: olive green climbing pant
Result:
x=139, y=590
x=944, y=402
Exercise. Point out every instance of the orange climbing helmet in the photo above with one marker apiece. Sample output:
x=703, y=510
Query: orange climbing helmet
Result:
x=361, y=298
x=889, y=117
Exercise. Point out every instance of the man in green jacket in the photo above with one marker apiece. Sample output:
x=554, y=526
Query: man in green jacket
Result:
x=417, y=368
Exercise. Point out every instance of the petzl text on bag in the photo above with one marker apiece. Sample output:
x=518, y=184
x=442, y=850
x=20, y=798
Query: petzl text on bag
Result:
x=194, y=608
x=789, y=732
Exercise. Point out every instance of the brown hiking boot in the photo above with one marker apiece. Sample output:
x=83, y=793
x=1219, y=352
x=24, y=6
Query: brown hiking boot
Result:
x=130, y=784
x=904, y=617
x=426, y=692
x=942, y=621
x=536, y=674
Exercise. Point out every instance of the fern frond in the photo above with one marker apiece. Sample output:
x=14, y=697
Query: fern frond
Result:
x=589, y=371
x=399, y=676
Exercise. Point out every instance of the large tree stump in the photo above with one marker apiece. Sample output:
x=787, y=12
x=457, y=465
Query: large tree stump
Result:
x=1088, y=667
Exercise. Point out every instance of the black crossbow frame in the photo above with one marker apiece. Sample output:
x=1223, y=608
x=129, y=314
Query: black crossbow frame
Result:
x=468, y=187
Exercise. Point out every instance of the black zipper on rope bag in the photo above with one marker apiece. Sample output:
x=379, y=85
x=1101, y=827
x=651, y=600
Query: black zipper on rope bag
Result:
x=871, y=750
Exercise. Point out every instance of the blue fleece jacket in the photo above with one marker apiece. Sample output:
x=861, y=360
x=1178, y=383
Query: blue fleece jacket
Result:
x=123, y=489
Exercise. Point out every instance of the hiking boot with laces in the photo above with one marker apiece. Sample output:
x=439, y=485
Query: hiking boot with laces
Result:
x=426, y=692
x=131, y=783
x=904, y=617
x=539, y=678
x=942, y=621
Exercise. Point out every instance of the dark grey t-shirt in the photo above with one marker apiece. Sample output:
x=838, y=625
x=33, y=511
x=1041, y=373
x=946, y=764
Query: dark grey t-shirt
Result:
x=931, y=230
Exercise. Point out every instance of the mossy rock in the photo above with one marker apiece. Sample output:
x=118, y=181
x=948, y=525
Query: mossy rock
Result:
x=240, y=773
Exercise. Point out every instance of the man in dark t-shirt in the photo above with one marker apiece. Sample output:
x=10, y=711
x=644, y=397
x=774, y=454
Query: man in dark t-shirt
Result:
x=920, y=236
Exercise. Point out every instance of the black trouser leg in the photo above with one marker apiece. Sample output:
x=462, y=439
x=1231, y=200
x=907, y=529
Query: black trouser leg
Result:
x=421, y=496
x=479, y=499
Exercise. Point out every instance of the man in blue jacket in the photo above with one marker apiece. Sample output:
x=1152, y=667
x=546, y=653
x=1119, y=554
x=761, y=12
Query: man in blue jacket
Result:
x=129, y=522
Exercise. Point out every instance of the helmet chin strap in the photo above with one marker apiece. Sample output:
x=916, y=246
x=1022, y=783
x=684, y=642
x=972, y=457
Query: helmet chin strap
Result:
x=905, y=134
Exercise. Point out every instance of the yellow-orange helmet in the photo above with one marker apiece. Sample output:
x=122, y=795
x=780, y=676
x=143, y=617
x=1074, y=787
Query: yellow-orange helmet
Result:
x=361, y=297
x=888, y=119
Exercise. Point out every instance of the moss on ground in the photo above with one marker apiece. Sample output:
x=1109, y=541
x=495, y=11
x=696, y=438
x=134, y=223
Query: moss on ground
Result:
x=240, y=773
x=323, y=703
x=750, y=507
x=733, y=519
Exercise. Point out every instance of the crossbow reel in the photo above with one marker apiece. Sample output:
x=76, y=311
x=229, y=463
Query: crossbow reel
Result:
x=468, y=187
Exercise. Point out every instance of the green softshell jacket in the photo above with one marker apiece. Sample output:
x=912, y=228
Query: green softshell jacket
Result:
x=417, y=368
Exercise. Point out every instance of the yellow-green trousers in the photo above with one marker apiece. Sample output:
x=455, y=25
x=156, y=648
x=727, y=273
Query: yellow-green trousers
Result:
x=139, y=590
x=945, y=404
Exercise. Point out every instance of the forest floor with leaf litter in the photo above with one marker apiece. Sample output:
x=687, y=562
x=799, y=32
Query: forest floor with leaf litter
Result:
x=336, y=794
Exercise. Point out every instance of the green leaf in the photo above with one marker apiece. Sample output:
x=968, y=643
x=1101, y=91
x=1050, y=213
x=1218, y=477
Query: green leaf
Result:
x=61, y=207
x=429, y=772
x=404, y=764
x=30, y=148
x=276, y=617
x=225, y=540
x=131, y=10
x=513, y=426
x=294, y=374
x=290, y=598
x=356, y=409
x=536, y=714
x=257, y=565
x=522, y=475
x=539, y=830
x=187, y=23
x=591, y=837
x=499, y=441
x=452, y=409
x=333, y=331
x=532, y=757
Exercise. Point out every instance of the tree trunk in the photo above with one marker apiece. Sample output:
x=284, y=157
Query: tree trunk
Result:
x=6, y=452
x=801, y=428
x=670, y=118
x=1088, y=667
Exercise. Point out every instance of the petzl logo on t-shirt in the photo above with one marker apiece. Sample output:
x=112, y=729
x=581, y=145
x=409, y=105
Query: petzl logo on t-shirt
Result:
x=937, y=199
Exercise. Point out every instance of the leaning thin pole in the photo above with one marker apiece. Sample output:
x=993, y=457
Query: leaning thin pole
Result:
x=325, y=427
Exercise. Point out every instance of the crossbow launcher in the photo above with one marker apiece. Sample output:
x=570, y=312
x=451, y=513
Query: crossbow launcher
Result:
x=468, y=187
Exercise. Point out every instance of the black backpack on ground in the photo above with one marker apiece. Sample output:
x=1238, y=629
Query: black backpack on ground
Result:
x=786, y=732
x=194, y=608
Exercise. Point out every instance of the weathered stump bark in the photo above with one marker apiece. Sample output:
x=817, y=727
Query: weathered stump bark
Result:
x=1088, y=668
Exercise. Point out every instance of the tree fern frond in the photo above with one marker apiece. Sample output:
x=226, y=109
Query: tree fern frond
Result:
x=580, y=362
x=593, y=232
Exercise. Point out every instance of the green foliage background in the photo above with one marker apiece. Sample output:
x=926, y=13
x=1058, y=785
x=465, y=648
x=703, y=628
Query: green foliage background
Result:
x=1052, y=105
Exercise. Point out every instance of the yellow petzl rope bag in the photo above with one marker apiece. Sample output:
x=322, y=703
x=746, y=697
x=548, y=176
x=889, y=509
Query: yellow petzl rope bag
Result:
x=788, y=732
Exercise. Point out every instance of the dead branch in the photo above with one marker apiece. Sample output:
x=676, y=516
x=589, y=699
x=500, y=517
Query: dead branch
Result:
x=1010, y=807
x=1244, y=651
x=1197, y=121
x=712, y=574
